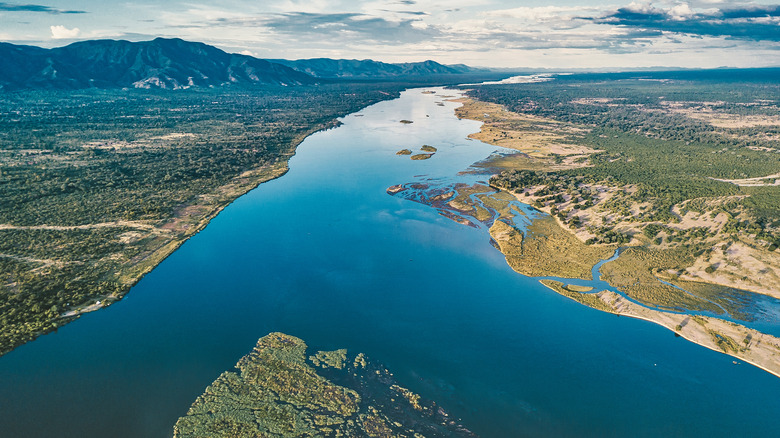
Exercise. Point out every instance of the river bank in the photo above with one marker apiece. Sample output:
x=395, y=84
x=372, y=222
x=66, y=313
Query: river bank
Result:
x=751, y=346
x=553, y=247
x=133, y=194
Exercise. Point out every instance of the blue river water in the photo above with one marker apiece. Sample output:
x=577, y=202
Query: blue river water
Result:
x=325, y=254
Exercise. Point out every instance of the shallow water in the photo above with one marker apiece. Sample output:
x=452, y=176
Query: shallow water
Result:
x=756, y=311
x=323, y=253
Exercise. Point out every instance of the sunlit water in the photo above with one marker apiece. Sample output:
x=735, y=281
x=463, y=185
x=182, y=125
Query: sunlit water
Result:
x=325, y=254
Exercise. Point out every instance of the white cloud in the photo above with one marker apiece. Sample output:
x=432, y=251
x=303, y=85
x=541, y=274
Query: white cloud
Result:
x=61, y=32
x=680, y=12
x=544, y=13
x=308, y=6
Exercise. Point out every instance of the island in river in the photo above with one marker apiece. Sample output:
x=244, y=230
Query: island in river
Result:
x=278, y=392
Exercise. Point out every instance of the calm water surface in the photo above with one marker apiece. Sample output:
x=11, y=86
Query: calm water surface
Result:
x=325, y=254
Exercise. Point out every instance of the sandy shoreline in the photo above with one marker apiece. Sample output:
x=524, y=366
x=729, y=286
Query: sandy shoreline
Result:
x=753, y=347
x=746, y=344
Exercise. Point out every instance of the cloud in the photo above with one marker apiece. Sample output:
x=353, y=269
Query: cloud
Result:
x=418, y=13
x=62, y=32
x=488, y=31
x=751, y=22
x=352, y=26
x=347, y=27
x=10, y=7
x=544, y=13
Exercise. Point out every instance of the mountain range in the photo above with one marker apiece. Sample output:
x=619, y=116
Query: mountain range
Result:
x=369, y=69
x=176, y=64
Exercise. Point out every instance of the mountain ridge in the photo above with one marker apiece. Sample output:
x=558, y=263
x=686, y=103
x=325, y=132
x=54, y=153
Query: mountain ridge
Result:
x=173, y=63
x=327, y=68
x=159, y=63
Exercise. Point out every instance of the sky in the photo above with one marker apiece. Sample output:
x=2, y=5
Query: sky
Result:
x=556, y=34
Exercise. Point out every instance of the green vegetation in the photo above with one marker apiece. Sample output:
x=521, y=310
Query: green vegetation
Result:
x=545, y=249
x=277, y=393
x=404, y=152
x=633, y=273
x=549, y=250
x=427, y=148
x=324, y=359
x=576, y=288
x=421, y=156
x=734, y=302
x=464, y=204
x=683, y=169
x=588, y=299
x=100, y=186
x=723, y=341
x=649, y=138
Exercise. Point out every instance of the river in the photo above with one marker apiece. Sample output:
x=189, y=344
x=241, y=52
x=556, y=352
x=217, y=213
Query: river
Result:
x=325, y=254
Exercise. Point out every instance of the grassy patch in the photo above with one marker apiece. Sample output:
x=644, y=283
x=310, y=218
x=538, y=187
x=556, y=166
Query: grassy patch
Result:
x=549, y=250
x=633, y=273
x=590, y=300
x=277, y=392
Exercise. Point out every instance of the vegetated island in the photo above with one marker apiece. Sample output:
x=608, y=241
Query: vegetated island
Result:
x=99, y=186
x=429, y=152
x=656, y=179
x=277, y=391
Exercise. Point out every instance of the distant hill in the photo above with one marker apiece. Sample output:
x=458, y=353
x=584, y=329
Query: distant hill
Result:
x=715, y=75
x=177, y=64
x=161, y=63
x=368, y=69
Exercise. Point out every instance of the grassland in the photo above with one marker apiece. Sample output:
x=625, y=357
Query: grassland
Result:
x=100, y=186
x=542, y=143
x=590, y=300
x=463, y=202
x=277, y=392
x=548, y=250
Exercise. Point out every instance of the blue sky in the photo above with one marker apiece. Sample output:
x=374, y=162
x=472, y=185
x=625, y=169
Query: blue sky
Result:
x=495, y=33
